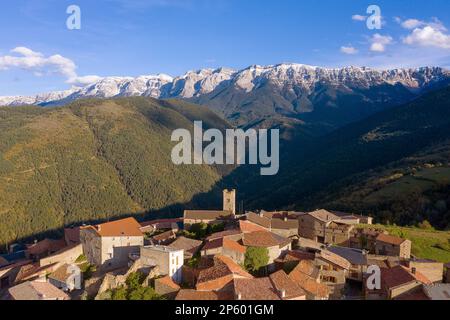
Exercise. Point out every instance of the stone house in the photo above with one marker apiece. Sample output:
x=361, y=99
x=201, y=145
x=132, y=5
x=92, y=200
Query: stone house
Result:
x=190, y=247
x=400, y=280
x=357, y=259
x=333, y=271
x=228, y=213
x=313, y=224
x=307, y=276
x=168, y=260
x=278, y=286
x=221, y=275
x=389, y=245
x=275, y=244
x=164, y=238
x=283, y=223
x=109, y=245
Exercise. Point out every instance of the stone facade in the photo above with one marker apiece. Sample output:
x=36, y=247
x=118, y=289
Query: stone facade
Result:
x=109, y=252
x=229, y=200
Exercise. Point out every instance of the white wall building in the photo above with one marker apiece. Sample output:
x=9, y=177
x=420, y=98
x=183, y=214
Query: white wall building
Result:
x=168, y=260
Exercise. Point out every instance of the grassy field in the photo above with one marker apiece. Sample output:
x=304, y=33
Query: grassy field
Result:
x=426, y=244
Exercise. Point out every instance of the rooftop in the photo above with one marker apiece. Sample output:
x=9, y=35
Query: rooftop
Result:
x=400, y=275
x=255, y=289
x=37, y=290
x=162, y=248
x=283, y=283
x=128, y=227
x=386, y=238
x=264, y=239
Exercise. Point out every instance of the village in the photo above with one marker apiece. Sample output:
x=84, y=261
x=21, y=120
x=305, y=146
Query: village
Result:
x=223, y=255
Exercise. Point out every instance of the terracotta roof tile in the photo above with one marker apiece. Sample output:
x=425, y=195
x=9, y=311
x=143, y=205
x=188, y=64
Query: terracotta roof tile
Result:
x=61, y=274
x=128, y=227
x=302, y=276
x=167, y=280
x=255, y=289
x=37, y=290
x=264, y=239
x=222, y=234
x=282, y=282
x=247, y=227
x=233, y=245
x=45, y=246
x=400, y=275
x=334, y=259
x=190, y=246
x=390, y=239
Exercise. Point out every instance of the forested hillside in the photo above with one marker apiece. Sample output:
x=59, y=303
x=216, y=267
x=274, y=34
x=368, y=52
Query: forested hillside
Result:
x=92, y=160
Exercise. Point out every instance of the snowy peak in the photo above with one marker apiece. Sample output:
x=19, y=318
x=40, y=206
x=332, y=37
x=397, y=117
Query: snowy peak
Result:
x=194, y=84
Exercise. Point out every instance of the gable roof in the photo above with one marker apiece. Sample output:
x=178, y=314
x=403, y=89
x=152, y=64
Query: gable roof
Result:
x=206, y=214
x=247, y=226
x=386, y=238
x=400, y=275
x=282, y=282
x=223, y=234
x=165, y=235
x=255, y=289
x=46, y=245
x=233, y=245
x=334, y=259
x=188, y=245
x=264, y=239
x=168, y=281
x=128, y=227
x=323, y=215
x=354, y=256
x=61, y=274
x=224, y=269
x=37, y=290
x=303, y=274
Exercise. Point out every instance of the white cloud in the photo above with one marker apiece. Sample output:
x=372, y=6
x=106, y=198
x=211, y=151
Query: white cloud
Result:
x=428, y=36
x=358, y=17
x=40, y=65
x=349, y=50
x=379, y=42
x=412, y=23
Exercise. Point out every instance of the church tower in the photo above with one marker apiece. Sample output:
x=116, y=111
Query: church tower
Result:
x=229, y=200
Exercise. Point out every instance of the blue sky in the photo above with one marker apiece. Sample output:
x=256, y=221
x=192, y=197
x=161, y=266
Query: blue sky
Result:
x=134, y=37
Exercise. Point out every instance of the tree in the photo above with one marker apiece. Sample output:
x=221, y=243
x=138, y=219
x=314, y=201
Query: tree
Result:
x=200, y=230
x=256, y=258
x=119, y=294
x=135, y=280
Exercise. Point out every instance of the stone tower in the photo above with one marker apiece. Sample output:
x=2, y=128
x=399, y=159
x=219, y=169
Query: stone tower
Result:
x=229, y=200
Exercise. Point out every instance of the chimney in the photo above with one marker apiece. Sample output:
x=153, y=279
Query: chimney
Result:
x=239, y=296
x=413, y=270
x=283, y=293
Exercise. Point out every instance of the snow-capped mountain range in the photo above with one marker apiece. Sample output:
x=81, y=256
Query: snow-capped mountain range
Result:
x=194, y=84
